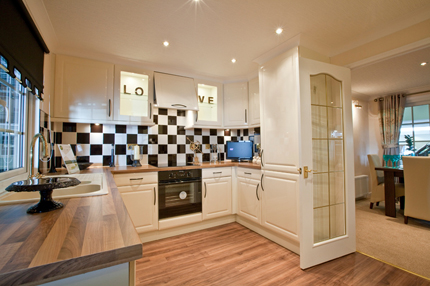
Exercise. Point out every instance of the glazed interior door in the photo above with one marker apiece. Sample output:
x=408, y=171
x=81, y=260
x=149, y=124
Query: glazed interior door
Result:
x=327, y=213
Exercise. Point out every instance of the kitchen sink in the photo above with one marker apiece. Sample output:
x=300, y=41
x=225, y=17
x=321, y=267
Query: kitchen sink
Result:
x=91, y=185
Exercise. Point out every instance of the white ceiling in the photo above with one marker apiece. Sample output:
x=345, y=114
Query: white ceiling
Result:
x=204, y=36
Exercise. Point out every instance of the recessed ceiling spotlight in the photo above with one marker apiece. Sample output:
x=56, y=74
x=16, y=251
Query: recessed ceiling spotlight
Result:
x=423, y=63
x=233, y=60
x=279, y=31
x=166, y=43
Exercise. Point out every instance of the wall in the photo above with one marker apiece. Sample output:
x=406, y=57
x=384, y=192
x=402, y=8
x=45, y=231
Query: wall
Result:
x=360, y=123
x=165, y=142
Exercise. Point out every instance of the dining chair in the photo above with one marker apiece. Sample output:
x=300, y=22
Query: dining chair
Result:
x=377, y=186
x=416, y=172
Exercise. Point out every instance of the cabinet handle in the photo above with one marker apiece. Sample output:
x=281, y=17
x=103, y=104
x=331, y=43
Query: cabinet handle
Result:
x=178, y=104
x=206, y=190
x=246, y=173
x=110, y=103
x=256, y=192
x=135, y=179
x=217, y=172
x=197, y=116
x=150, y=110
x=246, y=117
x=155, y=196
x=261, y=181
x=262, y=161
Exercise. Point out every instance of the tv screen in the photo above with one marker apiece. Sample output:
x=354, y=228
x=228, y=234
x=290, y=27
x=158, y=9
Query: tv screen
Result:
x=241, y=150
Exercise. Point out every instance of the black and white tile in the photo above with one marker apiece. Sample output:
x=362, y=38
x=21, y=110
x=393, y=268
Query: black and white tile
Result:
x=166, y=142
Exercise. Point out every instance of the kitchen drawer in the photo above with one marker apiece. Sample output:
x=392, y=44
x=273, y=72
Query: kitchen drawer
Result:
x=216, y=172
x=249, y=173
x=130, y=179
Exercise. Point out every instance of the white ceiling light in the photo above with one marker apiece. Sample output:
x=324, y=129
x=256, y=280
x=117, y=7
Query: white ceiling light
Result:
x=233, y=60
x=279, y=31
x=166, y=43
x=423, y=63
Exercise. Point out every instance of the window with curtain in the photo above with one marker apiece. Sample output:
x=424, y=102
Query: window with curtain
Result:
x=416, y=123
x=13, y=107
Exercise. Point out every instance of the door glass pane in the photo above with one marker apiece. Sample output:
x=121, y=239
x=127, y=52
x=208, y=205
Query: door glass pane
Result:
x=133, y=94
x=319, y=122
x=328, y=159
x=207, y=102
x=318, y=90
x=421, y=113
x=422, y=131
x=407, y=115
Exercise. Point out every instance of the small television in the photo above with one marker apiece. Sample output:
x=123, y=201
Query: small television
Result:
x=239, y=150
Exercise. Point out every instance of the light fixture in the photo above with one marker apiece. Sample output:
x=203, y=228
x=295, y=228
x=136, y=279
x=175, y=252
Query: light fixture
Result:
x=357, y=104
x=165, y=43
x=96, y=124
x=279, y=31
x=423, y=63
x=233, y=60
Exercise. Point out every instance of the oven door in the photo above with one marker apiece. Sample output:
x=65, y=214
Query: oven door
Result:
x=179, y=197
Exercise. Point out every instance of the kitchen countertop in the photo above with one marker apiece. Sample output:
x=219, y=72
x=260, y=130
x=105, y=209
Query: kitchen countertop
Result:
x=87, y=234
x=149, y=168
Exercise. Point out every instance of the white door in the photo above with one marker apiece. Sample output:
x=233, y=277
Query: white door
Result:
x=216, y=197
x=249, y=199
x=326, y=203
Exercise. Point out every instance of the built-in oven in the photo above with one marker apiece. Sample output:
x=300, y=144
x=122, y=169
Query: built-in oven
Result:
x=179, y=192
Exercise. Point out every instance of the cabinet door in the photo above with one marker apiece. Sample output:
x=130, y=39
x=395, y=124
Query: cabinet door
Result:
x=133, y=95
x=216, y=197
x=142, y=206
x=83, y=89
x=236, y=104
x=279, y=203
x=254, y=102
x=249, y=199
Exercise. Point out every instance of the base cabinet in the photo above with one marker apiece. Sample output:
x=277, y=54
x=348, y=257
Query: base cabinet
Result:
x=279, y=203
x=217, y=195
x=249, y=199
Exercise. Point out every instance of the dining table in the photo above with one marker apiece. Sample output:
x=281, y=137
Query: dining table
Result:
x=390, y=191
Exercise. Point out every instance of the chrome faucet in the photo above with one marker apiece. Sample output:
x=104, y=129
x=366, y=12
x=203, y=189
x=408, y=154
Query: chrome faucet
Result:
x=44, y=153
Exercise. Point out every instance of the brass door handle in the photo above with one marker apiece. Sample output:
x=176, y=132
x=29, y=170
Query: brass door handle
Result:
x=306, y=172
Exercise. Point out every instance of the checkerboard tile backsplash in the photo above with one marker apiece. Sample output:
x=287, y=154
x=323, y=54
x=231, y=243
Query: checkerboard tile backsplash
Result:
x=166, y=141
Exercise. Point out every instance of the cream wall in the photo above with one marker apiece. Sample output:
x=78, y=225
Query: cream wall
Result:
x=360, y=124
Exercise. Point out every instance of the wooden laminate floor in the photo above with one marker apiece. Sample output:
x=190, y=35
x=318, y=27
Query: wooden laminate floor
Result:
x=234, y=255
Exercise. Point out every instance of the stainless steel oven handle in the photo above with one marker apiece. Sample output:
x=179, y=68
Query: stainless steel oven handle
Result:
x=206, y=190
x=256, y=192
x=155, y=197
x=179, y=182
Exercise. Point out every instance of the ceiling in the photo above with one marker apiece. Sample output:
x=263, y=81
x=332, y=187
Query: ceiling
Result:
x=205, y=35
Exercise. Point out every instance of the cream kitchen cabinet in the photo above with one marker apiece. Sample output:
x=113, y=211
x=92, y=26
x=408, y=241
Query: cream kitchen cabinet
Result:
x=83, y=90
x=236, y=113
x=210, y=102
x=133, y=95
x=249, y=197
x=254, y=102
x=217, y=192
x=139, y=191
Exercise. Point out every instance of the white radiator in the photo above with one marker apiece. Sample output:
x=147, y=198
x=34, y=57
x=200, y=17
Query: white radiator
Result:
x=361, y=186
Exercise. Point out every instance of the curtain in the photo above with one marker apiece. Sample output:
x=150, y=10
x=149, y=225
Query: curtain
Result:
x=391, y=110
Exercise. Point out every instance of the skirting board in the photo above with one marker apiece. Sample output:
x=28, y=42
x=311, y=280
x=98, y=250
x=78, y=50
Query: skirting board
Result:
x=160, y=234
x=289, y=244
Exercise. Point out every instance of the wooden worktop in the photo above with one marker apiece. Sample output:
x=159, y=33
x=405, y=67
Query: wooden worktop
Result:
x=149, y=168
x=87, y=234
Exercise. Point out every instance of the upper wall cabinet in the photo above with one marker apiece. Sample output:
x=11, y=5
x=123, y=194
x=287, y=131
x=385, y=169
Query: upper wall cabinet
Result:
x=133, y=95
x=236, y=105
x=210, y=103
x=177, y=92
x=83, y=90
x=254, y=102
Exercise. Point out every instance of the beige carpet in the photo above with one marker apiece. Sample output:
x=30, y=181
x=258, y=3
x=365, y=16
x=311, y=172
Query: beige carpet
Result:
x=404, y=245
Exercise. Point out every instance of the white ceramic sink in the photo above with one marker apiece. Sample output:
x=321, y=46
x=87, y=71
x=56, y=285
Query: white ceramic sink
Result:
x=91, y=185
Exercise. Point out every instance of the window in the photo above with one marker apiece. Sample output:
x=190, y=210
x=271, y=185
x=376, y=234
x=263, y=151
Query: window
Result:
x=13, y=118
x=416, y=123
